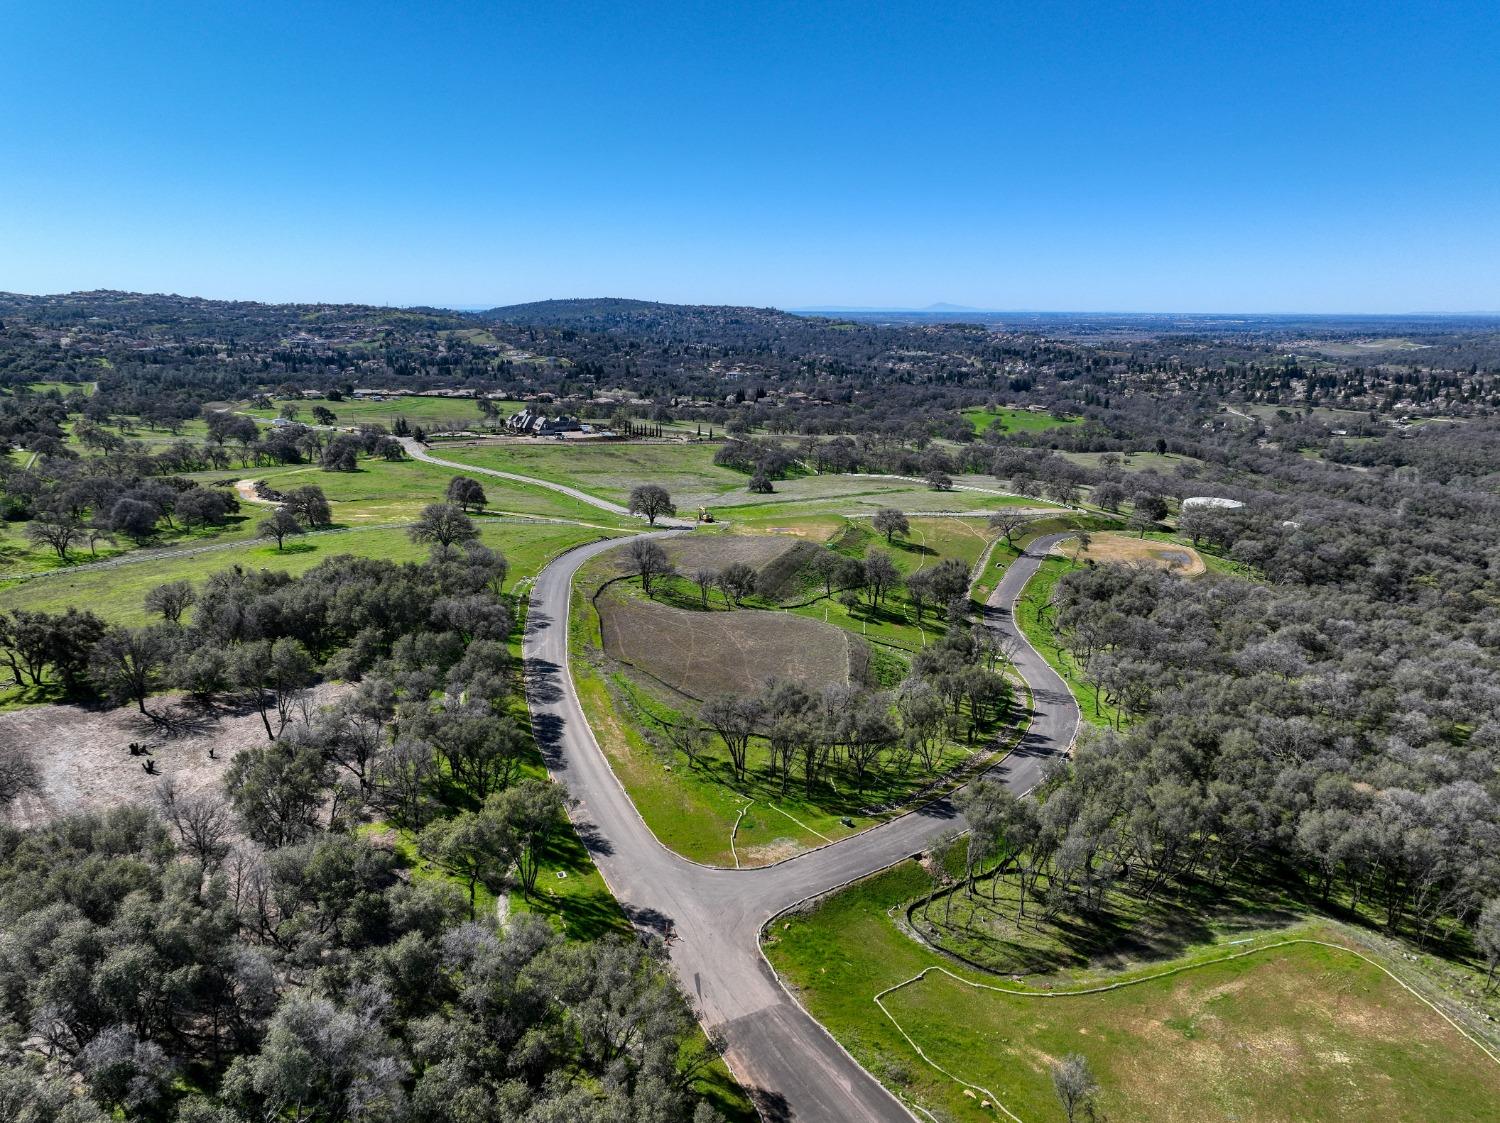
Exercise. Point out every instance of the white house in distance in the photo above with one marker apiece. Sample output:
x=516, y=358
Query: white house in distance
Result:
x=1210, y=503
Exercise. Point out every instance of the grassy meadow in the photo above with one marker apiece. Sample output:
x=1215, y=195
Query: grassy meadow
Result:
x=1290, y=1032
x=1016, y=420
x=417, y=410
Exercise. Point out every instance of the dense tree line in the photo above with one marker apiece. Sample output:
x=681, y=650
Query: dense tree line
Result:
x=1327, y=731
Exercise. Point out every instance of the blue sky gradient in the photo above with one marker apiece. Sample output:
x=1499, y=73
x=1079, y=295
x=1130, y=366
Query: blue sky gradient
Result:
x=1322, y=157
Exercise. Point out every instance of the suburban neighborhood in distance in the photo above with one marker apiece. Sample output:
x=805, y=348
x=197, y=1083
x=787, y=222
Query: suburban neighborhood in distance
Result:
x=774, y=693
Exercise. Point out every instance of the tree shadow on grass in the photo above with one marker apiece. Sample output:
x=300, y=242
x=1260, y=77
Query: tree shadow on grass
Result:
x=906, y=546
x=1129, y=930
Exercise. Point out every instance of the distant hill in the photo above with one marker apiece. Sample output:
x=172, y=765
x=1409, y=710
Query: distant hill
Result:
x=696, y=323
x=599, y=313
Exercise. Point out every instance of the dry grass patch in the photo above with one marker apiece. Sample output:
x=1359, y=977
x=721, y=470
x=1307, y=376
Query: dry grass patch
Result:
x=1121, y=549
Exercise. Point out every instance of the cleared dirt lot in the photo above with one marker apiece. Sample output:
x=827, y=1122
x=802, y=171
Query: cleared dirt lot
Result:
x=85, y=763
x=716, y=551
x=1123, y=550
x=702, y=654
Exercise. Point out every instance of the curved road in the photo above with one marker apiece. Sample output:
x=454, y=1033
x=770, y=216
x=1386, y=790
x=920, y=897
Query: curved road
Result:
x=785, y=1059
x=418, y=451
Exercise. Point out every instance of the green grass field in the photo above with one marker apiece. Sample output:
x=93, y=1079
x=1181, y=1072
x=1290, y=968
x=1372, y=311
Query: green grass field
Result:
x=1132, y=462
x=383, y=490
x=380, y=492
x=687, y=471
x=417, y=410
x=1285, y=1033
x=1016, y=420
x=115, y=592
x=63, y=388
x=609, y=471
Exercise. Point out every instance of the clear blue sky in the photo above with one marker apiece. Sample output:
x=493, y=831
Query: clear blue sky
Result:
x=1106, y=156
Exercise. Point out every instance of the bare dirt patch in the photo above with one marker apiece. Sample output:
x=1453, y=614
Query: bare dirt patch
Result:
x=701, y=654
x=85, y=763
x=1121, y=549
x=246, y=490
x=717, y=551
x=767, y=853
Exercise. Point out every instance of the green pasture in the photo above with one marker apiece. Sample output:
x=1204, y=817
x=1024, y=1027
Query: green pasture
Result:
x=1300, y=1031
x=1016, y=420
x=609, y=470
x=418, y=410
x=115, y=592
x=378, y=493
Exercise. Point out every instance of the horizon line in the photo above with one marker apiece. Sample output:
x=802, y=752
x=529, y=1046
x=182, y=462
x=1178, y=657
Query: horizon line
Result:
x=794, y=309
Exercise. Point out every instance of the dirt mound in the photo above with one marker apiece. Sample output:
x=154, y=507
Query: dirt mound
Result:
x=701, y=654
x=790, y=576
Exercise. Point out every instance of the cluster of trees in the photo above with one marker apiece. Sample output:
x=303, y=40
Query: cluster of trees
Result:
x=955, y=691
x=764, y=461
x=67, y=504
x=248, y=955
x=156, y=972
x=874, y=578
x=264, y=635
x=845, y=729
x=1328, y=730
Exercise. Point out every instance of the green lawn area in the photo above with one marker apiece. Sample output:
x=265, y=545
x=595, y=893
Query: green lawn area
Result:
x=1016, y=420
x=19, y=556
x=63, y=388
x=116, y=592
x=380, y=492
x=385, y=491
x=687, y=471
x=1284, y=1033
x=610, y=470
x=416, y=409
x=1131, y=462
x=860, y=495
x=137, y=430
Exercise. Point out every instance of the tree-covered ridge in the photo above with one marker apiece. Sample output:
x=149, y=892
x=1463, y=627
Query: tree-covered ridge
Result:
x=717, y=364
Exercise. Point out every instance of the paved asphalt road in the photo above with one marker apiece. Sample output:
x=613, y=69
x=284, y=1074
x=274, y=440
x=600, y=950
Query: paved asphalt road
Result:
x=713, y=917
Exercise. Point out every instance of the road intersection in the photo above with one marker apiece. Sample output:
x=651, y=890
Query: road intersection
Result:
x=712, y=918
